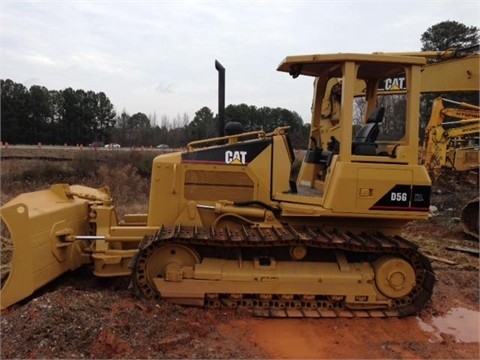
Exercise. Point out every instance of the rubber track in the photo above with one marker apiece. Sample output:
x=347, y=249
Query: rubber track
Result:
x=312, y=238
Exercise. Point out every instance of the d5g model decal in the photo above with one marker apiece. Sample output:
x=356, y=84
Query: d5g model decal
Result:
x=405, y=197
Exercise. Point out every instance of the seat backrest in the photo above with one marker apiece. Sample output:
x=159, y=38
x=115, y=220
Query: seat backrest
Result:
x=369, y=132
x=376, y=116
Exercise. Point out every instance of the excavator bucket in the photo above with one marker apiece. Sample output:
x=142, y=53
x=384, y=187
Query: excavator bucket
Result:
x=38, y=242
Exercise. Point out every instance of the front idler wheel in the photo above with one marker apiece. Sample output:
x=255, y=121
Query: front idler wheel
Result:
x=171, y=262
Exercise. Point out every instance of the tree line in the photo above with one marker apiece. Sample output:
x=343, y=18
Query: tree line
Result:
x=34, y=115
x=79, y=117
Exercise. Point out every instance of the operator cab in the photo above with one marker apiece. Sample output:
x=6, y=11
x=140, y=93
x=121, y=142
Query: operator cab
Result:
x=351, y=120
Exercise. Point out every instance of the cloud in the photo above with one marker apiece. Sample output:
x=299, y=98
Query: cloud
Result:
x=40, y=59
x=165, y=88
x=96, y=61
x=158, y=56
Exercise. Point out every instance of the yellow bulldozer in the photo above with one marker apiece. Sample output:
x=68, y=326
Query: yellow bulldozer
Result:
x=227, y=226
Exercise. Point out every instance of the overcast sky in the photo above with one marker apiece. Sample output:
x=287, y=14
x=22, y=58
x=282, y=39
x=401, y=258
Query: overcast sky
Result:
x=157, y=57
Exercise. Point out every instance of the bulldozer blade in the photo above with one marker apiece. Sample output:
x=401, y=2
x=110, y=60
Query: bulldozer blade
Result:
x=39, y=227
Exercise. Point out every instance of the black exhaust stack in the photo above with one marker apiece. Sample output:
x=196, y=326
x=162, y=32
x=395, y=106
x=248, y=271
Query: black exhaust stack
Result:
x=221, y=98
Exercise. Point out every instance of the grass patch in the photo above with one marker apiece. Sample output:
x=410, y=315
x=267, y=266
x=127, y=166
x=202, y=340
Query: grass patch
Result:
x=126, y=174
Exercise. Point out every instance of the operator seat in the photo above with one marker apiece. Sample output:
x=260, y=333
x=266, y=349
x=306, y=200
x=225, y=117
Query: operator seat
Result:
x=364, y=142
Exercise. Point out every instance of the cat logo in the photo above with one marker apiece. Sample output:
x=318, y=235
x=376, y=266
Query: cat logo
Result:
x=235, y=157
x=393, y=84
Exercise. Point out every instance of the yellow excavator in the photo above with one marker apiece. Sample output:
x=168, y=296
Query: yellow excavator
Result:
x=227, y=226
x=452, y=143
x=451, y=137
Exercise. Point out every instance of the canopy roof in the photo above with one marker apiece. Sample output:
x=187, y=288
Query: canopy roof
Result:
x=372, y=65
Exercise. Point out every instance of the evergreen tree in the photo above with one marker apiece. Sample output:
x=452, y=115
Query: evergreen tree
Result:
x=443, y=36
x=449, y=34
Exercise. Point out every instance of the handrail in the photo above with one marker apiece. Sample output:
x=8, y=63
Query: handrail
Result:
x=233, y=139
